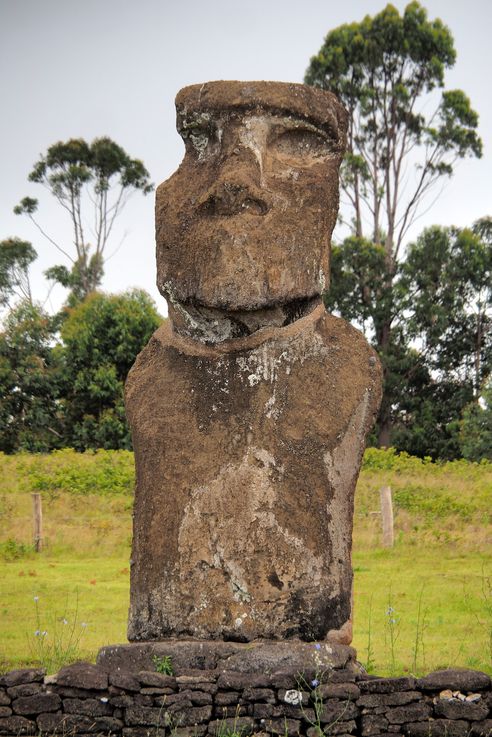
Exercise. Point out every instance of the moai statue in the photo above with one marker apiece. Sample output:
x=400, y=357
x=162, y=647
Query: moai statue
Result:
x=250, y=406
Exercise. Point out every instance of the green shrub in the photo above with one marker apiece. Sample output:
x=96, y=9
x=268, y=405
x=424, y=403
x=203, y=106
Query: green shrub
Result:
x=11, y=549
x=431, y=503
x=100, y=472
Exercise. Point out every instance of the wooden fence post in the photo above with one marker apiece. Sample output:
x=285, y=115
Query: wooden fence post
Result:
x=387, y=516
x=37, y=510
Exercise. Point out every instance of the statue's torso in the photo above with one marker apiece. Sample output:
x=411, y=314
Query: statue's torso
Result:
x=247, y=457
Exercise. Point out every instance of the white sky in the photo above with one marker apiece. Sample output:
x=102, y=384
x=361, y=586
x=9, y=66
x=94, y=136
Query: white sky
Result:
x=72, y=68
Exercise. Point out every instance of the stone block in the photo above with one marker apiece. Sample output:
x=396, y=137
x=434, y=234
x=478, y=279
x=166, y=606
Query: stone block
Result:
x=83, y=675
x=65, y=724
x=481, y=729
x=348, y=691
x=437, y=728
x=284, y=727
x=17, y=725
x=337, y=710
x=387, y=685
x=191, y=716
x=398, y=698
x=455, y=679
x=235, y=681
x=25, y=675
x=259, y=694
x=126, y=681
x=157, y=680
x=145, y=716
x=24, y=689
x=243, y=725
x=457, y=709
x=225, y=698
x=409, y=713
x=87, y=707
x=373, y=724
x=233, y=710
x=36, y=703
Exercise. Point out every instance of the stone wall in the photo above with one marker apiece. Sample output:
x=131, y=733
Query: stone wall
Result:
x=86, y=699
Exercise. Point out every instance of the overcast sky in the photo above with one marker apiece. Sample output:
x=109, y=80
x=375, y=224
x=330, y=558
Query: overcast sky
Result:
x=113, y=67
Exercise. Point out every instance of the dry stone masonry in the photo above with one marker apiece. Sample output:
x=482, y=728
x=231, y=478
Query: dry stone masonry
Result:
x=250, y=406
x=85, y=699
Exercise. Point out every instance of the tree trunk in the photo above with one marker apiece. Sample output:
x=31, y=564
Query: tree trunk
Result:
x=384, y=419
x=384, y=431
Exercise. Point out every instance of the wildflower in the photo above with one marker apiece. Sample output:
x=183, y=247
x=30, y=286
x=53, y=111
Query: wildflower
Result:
x=314, y=683
x=317, y=646
x=44, y=633
x=390, y=611
x=37, y=633
x=64, y=621
x=36, y=598
x=83, y=624
x=392, y=621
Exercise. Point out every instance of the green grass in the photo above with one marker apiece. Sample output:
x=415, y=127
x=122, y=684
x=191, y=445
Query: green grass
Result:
x=441, y=562
x=92, y=589
x=453, y=628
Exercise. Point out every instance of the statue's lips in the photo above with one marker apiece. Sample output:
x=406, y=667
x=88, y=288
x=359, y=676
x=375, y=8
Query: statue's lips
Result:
x=214, y=208
x=245, y=226
x=225, y=309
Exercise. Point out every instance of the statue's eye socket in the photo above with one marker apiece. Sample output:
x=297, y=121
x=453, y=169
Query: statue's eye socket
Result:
x=302, y=142
x=199, y=138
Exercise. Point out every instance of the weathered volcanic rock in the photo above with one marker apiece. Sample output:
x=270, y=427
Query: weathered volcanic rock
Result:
x=247, y=455
x=245, y=222
x=249, y=408
x=258, y=664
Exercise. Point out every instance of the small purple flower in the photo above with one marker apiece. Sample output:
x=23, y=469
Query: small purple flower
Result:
x=317, y=646
x=314, y=683
x=37, y=633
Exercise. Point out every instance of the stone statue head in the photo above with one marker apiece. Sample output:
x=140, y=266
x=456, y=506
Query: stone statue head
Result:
x=244, y=224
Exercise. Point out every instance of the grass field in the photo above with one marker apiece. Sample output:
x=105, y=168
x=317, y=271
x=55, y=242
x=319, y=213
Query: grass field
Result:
x=422, y=605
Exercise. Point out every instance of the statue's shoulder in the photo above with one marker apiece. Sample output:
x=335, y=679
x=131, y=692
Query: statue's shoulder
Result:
x=336, y=331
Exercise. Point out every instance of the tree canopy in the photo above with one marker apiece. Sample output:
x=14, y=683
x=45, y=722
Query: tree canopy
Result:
x=92, y=183
x=16, y=256
x=476, y=427
x=439, y=352
x=405, y=133
x=29, y=417
x=64, y=387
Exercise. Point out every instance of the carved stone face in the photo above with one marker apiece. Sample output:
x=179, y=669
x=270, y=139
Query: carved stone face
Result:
x=245, y=222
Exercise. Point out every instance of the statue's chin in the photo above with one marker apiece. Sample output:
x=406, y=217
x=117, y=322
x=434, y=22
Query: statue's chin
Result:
x=211, y=325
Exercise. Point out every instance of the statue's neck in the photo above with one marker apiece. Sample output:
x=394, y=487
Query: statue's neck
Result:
x=211, y=326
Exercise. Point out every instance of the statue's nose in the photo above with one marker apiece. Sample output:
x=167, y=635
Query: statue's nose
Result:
x=237, y=188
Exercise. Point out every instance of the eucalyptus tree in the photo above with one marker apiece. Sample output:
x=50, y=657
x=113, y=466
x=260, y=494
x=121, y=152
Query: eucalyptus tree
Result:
x=92, y=183
x=406, y=133
x=16, y=256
